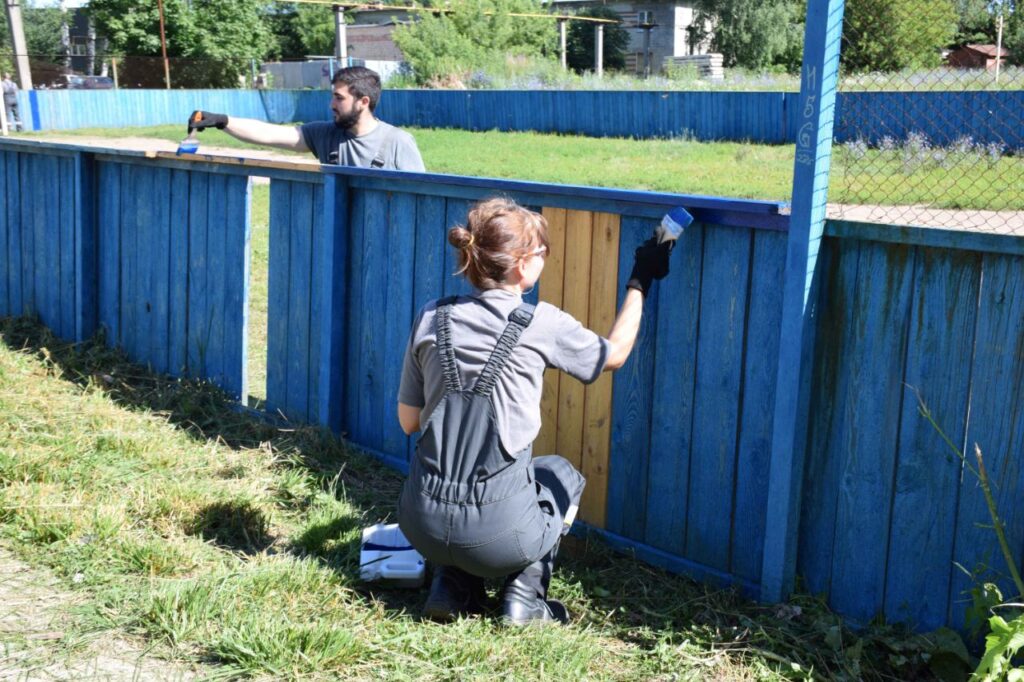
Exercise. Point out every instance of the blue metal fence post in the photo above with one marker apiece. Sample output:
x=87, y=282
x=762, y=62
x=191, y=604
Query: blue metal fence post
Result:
x=331, y=250
x=86, y=264
x=810, y=189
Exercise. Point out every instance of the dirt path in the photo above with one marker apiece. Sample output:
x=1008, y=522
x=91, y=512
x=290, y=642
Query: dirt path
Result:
x=34, y=644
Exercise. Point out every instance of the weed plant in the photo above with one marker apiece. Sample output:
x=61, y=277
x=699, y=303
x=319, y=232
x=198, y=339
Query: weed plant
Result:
x=230, y=541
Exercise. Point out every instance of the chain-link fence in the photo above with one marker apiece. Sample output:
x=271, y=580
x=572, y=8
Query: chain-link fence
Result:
x=926, y=134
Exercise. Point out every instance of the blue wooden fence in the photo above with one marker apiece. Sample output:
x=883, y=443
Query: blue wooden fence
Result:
x=768, y=117
x=155, y=252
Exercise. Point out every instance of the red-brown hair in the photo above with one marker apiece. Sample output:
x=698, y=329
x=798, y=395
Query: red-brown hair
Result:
x=498, y=232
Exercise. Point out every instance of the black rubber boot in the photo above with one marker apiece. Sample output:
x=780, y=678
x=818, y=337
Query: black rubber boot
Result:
x=525, y=599
x=453, y=594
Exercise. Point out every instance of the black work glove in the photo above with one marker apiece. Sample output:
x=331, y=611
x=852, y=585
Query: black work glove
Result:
x=650, y=262
x=201, y=120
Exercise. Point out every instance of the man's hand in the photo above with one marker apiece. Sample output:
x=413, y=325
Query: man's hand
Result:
x=201, y=120
x=650, y=262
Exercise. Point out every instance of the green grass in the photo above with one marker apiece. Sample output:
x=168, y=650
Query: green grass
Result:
x=225, y=541
x=728, y=169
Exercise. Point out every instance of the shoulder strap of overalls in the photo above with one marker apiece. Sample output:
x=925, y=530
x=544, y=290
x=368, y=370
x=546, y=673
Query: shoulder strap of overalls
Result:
x=443, y=330
x=518, y=320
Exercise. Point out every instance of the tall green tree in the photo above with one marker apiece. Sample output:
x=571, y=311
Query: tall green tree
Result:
x=314, y=24
x=473, y=34
x=580, y=41
x=890, y=35
x=1013, y=34
x=975, y=22
x=212, y=41
x=755, y=34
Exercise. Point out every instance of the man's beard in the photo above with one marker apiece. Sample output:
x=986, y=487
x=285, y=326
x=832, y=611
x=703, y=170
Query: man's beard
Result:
x=348, y=120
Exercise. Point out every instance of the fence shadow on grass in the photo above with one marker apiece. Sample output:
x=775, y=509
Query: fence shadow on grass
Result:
x=646, y=607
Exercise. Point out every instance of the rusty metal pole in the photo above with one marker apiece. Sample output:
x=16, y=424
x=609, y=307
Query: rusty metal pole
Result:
x=163, y=45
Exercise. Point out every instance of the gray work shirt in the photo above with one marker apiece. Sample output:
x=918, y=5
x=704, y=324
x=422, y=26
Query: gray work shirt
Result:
x=399, y=147
x=553, y=339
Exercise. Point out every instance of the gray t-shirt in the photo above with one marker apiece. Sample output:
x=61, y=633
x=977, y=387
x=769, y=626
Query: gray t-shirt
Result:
x=553, y=339
x=399, y=147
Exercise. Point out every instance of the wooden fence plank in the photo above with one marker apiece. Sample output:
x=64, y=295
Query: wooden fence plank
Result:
x=161, y=340
x=576, y=302
x=47, y=239
x=597, y=418
x=177, y=324
x=830, y=394
x=130, y=199
x=198, y=329
x=400, y=311
x=373, y=316
x=300, y=258
x=429, y=251
x=66, y=256
x=15, y=229
x=716, y=417
x=6, y=237
x=109, y=251
x=217, y=274
x=320, y=282
x=631, y=404
x=761, y=364
x=877, y=359
x=236, y=311
x=354, y=337
x=550, y=291
x=941, y=343
x=672, y=417
x=456, y=213
x=28, y=238
x=997, y=427
x=278, y=299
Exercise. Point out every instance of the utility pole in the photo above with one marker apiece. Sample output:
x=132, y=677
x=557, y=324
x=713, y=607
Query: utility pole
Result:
x=599, y=50
x=999, y=43
x=340, y=36
x=163, y=45
x=562, y=43
x=13, y=8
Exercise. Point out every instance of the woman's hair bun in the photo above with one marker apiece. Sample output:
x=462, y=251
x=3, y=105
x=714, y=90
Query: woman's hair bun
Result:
x=460, y=237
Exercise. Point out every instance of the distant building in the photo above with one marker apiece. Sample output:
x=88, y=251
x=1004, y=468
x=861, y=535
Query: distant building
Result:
x=669, y=21
x=977, y=57
x=373, y=41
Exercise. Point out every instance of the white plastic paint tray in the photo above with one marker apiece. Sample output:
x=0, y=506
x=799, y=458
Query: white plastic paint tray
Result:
x=386, y=556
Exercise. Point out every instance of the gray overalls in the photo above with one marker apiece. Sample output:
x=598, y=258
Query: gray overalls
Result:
x=467, y=502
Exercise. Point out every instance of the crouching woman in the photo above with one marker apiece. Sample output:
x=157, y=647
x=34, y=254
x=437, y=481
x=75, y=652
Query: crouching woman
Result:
x=476, y=503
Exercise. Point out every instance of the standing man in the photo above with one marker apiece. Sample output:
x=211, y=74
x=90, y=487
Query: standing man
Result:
x=11, y=103
x=355, y=137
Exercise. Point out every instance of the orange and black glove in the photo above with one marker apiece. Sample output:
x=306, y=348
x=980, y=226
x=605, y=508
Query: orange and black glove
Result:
x=201, y=120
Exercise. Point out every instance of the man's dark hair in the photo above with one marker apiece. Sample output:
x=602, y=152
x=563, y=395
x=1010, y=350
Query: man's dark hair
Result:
x=361, y=82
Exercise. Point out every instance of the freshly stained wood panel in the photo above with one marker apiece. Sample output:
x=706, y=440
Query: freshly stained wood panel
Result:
x=278, y=297
x=997, y=427
x=550, y=291
x=672, y=415
x=130, y=197
x=353, y=374
x=868, y=458
x=719, y=379
x=597, y=419
x=575, y=302
x=47, y=238
x=761, y=358
x=217, y=273
x=943, y=321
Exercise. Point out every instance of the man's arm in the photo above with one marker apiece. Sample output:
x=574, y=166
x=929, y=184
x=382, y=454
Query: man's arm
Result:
x=270, y=134
x=250, y=130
